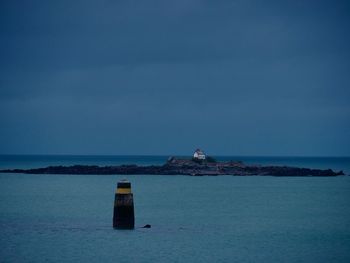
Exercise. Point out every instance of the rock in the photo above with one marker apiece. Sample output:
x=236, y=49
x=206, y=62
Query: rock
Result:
x=182, y=167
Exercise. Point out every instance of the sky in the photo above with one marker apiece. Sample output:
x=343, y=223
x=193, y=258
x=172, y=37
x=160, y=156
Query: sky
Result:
x=166, y=77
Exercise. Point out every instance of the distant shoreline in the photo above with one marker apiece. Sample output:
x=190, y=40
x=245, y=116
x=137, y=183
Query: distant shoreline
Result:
x=177, y=166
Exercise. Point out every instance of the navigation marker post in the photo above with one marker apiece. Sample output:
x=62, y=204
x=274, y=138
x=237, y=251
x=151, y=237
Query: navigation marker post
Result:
x=123, y=215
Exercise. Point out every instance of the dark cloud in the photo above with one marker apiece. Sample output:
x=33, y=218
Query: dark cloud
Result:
x=153, y=77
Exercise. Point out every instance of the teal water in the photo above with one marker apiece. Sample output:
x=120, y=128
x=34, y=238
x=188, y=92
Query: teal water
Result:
x=54, y=218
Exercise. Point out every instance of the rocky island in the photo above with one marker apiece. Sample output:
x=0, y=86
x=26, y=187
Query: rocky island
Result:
x=175, y=166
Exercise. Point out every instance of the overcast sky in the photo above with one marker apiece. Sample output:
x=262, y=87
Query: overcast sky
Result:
x=165, y=77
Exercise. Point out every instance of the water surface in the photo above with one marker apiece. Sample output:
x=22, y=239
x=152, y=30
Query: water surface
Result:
x=194, y=219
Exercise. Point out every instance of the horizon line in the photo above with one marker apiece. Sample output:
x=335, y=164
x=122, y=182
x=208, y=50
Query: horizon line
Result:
x=174, y=155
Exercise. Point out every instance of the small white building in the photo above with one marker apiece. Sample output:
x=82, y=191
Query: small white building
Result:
x=199, y=154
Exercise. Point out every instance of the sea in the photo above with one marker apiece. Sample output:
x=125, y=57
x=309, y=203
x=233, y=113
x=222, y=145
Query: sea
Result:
x=68, y=218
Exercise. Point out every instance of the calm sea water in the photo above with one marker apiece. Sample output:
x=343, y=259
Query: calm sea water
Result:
x=58, y=218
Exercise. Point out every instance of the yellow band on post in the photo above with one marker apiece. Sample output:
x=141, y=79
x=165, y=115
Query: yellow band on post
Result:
x=123, y=191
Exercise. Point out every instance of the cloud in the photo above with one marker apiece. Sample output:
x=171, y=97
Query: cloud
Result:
x=262, y=73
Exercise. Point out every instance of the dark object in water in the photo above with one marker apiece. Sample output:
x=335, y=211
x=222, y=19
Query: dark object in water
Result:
x=182, y=167
x=146, y=226
x=123, y=215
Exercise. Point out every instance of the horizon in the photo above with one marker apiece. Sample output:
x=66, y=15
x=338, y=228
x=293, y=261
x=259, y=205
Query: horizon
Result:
x=179, y=155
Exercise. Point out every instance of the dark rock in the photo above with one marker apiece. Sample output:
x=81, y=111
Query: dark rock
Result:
x=182, y=167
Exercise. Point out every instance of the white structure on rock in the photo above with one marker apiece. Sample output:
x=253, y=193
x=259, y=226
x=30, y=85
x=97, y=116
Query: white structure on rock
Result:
x=199, y=154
